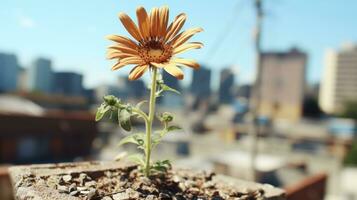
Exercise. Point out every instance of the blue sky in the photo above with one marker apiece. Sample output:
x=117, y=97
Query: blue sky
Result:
x=71, y=32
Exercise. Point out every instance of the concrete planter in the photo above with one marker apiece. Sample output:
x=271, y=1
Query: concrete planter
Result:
x=33, y=182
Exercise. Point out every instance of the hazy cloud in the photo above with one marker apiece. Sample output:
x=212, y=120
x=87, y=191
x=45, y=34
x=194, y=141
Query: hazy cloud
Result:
x=26, y=22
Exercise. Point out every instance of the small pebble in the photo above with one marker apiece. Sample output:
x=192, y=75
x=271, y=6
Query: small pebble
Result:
x=121, y=196
x=81, y=188
x=90, y=184
x=62, y=188
x=91, y=193
x=74, y=193
x=150, y=197
x=67, y=178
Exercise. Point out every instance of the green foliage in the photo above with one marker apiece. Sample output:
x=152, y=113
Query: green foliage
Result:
x=113, y=106
x=124, y=118
x=350, y=110
x=137, y=158
x=351, y=157
x=162, y=87
x=165, y=117
x=137, y=138
x=161, y=166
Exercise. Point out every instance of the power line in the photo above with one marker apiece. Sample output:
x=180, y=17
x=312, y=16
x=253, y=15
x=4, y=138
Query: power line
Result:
x=225, y=32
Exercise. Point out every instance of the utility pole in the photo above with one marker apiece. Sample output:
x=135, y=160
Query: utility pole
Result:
x=256, y=92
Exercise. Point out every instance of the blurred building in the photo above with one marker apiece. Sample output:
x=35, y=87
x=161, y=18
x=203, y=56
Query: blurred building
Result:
x=135, y=89
x=226, y=85
x=171, y=81
x=170, y=99
x=68, y=83
x=339, y=82
x=22, y=79
x=282, y=84
x=41, y=76
x=244, y=91
x=9, y=72
x=201, y=83
x=104, y=90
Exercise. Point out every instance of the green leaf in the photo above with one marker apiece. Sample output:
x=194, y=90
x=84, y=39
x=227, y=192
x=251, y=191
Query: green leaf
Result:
x=124, y=119
x=137, y=158
x=165, y=87
x=173, y=128
x=161, y=166
x=101, y=111
x=137, y=138
x=165, y=117
x=111, y=100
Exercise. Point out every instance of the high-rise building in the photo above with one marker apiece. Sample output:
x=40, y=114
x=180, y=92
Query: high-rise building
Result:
x=9, y=72
x=68, y=83
x=201, y=83
x=41, y=76
x=226, y=85
x=339, y=81
x=282, y=84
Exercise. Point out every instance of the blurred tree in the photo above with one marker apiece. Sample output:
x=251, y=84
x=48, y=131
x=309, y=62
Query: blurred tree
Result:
x=350, y=110
x=351, y=157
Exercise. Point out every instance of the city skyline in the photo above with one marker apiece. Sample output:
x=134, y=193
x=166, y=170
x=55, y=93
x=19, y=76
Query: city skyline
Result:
x=74, y=39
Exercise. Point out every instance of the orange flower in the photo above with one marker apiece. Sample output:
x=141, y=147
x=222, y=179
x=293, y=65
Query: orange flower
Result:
x=156, y=43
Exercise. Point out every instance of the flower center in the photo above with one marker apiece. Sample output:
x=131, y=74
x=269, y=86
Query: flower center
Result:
x=155, y=51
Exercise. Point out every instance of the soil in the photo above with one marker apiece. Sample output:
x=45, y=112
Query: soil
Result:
x=128, y=184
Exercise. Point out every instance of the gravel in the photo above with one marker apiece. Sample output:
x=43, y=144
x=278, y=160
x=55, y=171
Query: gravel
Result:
x=128, y=184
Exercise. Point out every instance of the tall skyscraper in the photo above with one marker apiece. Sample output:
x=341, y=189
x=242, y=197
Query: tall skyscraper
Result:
x=201, y=83
x=68, y=83
x=41, y=76
x=339, y=81
x=9, y=72
x=282, y=84
x=226, y=85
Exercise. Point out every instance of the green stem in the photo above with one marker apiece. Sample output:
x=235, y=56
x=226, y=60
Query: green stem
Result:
x=141, y=113
x=150, y=120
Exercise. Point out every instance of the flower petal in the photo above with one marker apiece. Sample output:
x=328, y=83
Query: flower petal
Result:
x=188, y=62
x=137, y=72
x=175, y=71
x=143, y=21
x=175, y=26
x=122, y=40
x=154, y=22
x=184, y=36
x=126, y=61
x=158, y=65
x=123, y=49
x=130, y=26
x=164, y=18
x=113, y=53
x=187, y=46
